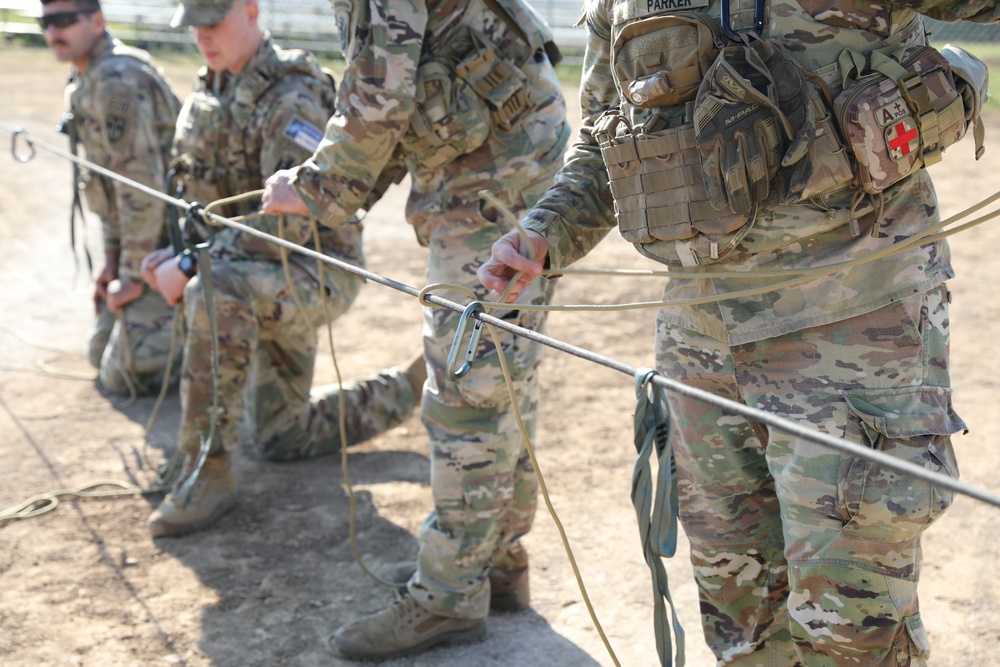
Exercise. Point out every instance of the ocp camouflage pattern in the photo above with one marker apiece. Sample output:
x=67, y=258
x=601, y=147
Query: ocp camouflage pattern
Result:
x=124, y=112
x=484, y=484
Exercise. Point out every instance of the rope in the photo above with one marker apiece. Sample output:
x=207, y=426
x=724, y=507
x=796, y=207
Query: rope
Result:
x=46, y=502
x=482, y=317
x=427, y=298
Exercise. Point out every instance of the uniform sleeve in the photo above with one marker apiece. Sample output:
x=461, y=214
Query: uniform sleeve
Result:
x=577, y=212
x=375, y=100
x=126, y=113
x=978, y=11
x=291, y=129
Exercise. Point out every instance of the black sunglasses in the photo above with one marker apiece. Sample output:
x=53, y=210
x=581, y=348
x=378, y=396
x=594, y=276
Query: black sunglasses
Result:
x=62, y=20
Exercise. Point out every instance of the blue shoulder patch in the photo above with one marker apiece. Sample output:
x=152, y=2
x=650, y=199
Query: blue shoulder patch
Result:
x=303, y=134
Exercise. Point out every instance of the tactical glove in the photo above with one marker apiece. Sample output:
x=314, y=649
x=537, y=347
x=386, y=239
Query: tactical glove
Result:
x=754, y=122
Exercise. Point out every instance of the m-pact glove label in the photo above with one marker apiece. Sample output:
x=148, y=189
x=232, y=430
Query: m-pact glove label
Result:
x=303, y=134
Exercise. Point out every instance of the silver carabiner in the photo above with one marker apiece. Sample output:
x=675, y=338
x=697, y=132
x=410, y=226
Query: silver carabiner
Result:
x=470, y=352
x=19, y=132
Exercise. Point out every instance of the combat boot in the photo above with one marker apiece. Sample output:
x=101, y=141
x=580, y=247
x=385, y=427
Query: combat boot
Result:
x=212, y=495
x=404, y=628
x=509, y=587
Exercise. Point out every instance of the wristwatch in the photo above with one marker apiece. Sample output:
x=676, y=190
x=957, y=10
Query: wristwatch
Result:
x=187, y=262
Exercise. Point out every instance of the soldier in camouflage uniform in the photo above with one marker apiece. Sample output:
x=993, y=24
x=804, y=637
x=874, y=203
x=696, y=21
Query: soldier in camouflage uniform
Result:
x=255, y=108
x=122, y=110
x=803, y=556
x=468, y=91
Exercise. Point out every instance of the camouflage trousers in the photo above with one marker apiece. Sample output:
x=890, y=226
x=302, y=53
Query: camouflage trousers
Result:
x=482, y=479
x=131, y=349
x=267, y=349
x=802, y=555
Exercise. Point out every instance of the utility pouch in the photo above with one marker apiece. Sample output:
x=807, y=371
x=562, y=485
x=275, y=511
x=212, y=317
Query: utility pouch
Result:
x=450, y=120
x=97, y=192
x=501, y=84
x=660, y=61
x=898, y=111
x=972, y=79
x=831, y=165
x=658, y=188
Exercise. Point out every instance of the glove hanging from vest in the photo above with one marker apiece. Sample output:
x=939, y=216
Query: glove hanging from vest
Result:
x=754, y=124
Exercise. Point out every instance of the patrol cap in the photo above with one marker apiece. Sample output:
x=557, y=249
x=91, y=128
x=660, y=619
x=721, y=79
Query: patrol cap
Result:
x=200, y=12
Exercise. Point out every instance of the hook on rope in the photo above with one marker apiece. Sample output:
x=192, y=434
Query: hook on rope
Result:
x=20, y=132
x=470, y=352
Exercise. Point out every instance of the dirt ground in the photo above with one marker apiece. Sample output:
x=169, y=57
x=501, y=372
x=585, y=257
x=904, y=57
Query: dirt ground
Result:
x=86, y=585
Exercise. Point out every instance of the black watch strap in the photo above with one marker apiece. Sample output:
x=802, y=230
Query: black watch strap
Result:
x=187, y=262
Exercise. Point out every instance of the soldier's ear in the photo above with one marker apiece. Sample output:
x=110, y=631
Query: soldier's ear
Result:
x=99, y=22
x=253, y=10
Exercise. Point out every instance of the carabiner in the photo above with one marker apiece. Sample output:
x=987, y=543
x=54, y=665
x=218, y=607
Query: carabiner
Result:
x=19, y=132
x=470, y=352
x=758, y=21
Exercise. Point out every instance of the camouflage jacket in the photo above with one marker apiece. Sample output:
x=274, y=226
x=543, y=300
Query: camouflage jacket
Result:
x=399, y=55
x=236, y=130
x=579, y=209
x=123, y=114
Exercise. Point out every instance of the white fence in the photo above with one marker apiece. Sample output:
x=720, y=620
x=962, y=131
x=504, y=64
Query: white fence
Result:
x=309, y=23
x=301, y=23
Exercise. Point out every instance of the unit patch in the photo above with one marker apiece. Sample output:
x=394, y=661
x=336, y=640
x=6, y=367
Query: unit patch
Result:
x=303, y=134
x=117, y=122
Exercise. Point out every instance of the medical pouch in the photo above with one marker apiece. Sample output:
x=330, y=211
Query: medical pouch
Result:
x=659, y=193
x=659, y=61
x=450, y=119
x=897, y=112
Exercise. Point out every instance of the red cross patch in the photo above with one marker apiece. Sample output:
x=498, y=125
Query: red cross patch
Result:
x=902, y=138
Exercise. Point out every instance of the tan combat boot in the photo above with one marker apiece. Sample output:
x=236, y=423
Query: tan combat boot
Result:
x=212, y=495
x=405, y=628
x=509, y=586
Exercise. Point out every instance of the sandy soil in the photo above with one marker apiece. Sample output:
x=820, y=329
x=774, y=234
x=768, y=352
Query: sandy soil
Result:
x=86, y=585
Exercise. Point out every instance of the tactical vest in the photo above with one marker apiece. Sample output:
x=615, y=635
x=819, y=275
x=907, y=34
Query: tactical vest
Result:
x=84, y=128
x=469, y=84
x=219, y=140
x=658, y=57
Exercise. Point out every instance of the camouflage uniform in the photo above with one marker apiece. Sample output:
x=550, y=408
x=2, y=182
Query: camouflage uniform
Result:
x=504, y=129
x=803, y=556
x=123, y=114
x=234, y=131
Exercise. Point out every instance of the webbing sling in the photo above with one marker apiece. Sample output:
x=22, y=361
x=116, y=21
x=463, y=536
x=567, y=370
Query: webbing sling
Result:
x=656, y=507
x=67, y=125
x=186, y=491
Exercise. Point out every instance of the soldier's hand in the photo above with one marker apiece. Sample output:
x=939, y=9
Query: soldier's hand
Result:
x=513, y=259
x=171, y=281
x=279, y=195
x=121, y=293
x=107, y=274
x=153, y=260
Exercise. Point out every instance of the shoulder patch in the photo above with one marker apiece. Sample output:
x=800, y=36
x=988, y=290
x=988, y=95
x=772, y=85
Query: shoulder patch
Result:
x=118, y=121
x=303, y=134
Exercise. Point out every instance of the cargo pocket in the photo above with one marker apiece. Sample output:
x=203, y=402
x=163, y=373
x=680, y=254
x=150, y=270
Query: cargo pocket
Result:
x=913, y=424
x=913, y=645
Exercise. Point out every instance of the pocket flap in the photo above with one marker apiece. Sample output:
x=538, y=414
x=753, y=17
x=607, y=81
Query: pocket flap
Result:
x=906, y=412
